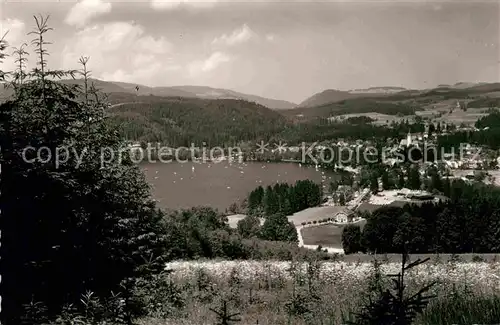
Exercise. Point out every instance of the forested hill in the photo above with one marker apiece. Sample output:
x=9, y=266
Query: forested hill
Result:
x=355, y=105
x=113, y=87
x=399, y=103
x=182, y=121
x=203, y=92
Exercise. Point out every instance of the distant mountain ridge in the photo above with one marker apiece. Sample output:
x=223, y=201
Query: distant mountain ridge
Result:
x=378, y=90
x=185, y=91
x=334, y=95
x=329, y=96
x=218, y=93
x=126, y=92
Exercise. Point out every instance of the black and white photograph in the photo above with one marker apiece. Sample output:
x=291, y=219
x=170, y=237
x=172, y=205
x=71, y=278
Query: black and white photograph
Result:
x=230, y=162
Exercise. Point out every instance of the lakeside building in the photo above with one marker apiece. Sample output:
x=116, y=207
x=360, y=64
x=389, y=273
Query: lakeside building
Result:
x=344, y=216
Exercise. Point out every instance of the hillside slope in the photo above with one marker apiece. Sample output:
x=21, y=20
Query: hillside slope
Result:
x=332, y=95
x=406, y=102
x=181, y=121
x=186, y=91
x=218, y=93
x=352, y=106
x=109, y=87
x=325, y=97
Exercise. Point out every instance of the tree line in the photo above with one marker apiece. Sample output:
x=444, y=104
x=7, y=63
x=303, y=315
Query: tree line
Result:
x=488, y=135
x=467, y=222
x=284, y=198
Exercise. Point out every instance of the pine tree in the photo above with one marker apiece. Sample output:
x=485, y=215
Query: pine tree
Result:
x=373, y=183
x=436, y=183
x=401, y=180
x=72, y=225
x=385, y=180
x=351, y=239
x=271, y=201
x=341, y=198
x=395, y=306
x=224, y=317
x=414, y=179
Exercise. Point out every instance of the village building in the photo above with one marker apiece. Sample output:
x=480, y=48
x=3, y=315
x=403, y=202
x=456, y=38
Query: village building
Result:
x=408, y=141
x=344, y=216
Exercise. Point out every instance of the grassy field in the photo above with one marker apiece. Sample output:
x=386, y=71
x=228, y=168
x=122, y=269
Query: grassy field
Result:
x=433, y=113
x=458, y=116
x=265, y=293
x=380, y=119
x=315, y=213
x=328, y=235
x=310, y=214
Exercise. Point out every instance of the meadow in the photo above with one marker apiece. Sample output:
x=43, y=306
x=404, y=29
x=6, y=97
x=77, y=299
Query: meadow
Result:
x=330, y=292
x=439, y=112
x=329, y=235
x=379, y=118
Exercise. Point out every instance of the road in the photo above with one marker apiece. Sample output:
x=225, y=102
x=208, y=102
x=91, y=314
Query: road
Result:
x=125, y=103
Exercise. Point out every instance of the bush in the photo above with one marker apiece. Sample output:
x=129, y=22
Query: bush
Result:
x=477, y=258
x=351, y=239
x=277, y=227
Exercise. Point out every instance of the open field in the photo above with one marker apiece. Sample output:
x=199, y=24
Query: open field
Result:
x=327, y=235
x=458, y=116
x=487, y=273
x=261, y=290
x=312, y=214
x=380, y=119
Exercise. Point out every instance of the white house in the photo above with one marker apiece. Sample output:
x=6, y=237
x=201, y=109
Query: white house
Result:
x=344, y=216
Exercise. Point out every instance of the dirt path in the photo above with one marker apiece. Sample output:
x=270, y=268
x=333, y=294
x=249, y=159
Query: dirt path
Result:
x=125, y=103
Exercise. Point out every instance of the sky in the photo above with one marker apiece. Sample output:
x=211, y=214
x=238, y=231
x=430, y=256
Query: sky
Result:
x=278, y=49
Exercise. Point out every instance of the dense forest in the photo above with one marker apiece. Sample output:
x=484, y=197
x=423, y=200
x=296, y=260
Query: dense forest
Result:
x=354, y=106
x=180, y=122
x=284, y=198
x=489, y=135
x=466, y=223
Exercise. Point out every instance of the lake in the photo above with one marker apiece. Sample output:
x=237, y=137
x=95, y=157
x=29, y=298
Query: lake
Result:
x=184, y=185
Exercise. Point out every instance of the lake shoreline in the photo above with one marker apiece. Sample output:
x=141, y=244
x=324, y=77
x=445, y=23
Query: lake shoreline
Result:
x=218, y=185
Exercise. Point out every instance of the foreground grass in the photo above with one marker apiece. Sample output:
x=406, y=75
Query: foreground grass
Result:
x=463, y=309
x=276, y=293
